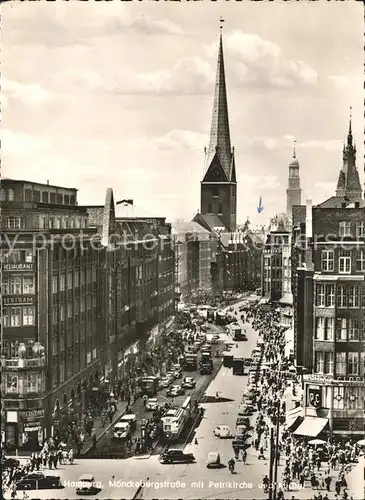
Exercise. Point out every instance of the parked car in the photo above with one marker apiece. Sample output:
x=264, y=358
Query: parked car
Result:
x=164, y=383
x=214, y=460
x=176, y=457
x=243, y=421
x=9, y=463
x=171, y=376
x=188, y=383
x=222, y=431
x=152, y=404
x=38, y=481
x=86, y=485
x=175, y=390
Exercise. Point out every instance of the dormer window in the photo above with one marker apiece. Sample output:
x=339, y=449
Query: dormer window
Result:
x=345, y=229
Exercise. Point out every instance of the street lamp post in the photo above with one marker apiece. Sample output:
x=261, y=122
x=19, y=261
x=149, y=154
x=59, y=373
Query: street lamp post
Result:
x=272, y=459
x=277, y=456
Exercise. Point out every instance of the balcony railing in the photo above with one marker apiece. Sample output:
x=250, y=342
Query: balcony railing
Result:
x=16, y=363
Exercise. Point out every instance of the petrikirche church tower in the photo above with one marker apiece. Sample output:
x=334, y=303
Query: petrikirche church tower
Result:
x=219, y=186
x=294, y=192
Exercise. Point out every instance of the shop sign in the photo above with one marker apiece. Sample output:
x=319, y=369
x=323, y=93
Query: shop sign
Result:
x=32, y=415
x=318, y=378
x=18, y=267
x=17, y=300
x=314, y=397
x=33, y=426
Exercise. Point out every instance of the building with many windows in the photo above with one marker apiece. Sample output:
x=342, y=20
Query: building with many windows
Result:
x=329, y=282
x=71, y=308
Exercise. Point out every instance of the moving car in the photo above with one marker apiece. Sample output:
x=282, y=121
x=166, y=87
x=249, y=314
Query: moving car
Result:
x=175, y=390
x=38, y=481
x=152, y=404
x=189, y=383
x=222, y=431
x=177, y=371
x=176, y=457
x=121, y=430
x=164, y=382
x=214, y=460
x=171, y=376
x=85, y=485
x=131, y=419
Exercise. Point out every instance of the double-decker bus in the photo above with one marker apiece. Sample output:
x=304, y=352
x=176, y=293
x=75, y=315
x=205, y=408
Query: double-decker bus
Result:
x=149, y=385
x=191, y=361
x=174, y=420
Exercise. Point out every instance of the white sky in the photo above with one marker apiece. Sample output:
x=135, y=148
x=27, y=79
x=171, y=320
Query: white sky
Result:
x=120, y=95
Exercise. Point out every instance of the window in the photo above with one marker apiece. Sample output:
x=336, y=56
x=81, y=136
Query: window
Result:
x=11, y=194
x=338, y=396
x=51, y=223
x=330, y=295
x=354, y=296
x=88, y=302
x=11, y=383
x=52, y=197
x=27, y=195
x=362, y=365
x=82, y=304
x=14, y=223
x=319, y=333
x=62, y=282
x=69, y=280
x=62, y=312
x=345, y=229
x=353, y=329
x=54, y=315
x=69, y=309
x=72, y=199
x=54, y=284
x=340, y=363
x=341, y=296
x=5, y=287
x=44, y=196
x=28, y=285
x=28, y=316
x=2, y=194
x=6, y=319
x=319, y=362
x=15, y=316
x=58, y=222
x=65, y=223
x=320, y=295
x=82, y=277
x=360, y=229
x=94, y=274
x=59, y=199
x=62, y=372
x=329, y=328
x=37, y=195
x=328, y=364
x=67, y=199
x=15, y=285
x=327, y=258
x=360, y=260
x=76, y=307
x=210, y=208
x=76, y=279
x=215, y=191
x=342, y=329
x=353, y=363
x=220, y=208
x=344, y=261
x=31, y=382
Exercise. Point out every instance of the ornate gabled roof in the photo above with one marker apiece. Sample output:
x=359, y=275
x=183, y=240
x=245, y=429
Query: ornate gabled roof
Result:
x=220, y=139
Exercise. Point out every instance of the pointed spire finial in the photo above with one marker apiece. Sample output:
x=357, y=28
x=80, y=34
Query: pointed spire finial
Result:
x=221, y=22
x=349, y=136
x=294, y=153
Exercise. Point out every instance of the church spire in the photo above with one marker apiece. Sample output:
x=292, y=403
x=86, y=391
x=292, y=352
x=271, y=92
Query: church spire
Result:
x=220, y=140
x=349, y=136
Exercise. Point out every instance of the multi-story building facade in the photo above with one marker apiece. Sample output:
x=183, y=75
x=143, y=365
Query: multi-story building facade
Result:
x=70, y=306
x=330, y=327
x=195, y=248
x=276, y=259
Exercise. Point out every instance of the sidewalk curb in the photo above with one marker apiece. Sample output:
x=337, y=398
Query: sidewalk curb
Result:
x=113, y=422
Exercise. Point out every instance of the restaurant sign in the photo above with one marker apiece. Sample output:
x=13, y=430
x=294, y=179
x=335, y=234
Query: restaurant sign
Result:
x=18, y=300
x=18, y=267
x=32, y=415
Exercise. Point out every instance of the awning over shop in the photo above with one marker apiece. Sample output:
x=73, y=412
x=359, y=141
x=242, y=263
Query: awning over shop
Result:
x=294, y=418
x=286, y=299
x=311, y=426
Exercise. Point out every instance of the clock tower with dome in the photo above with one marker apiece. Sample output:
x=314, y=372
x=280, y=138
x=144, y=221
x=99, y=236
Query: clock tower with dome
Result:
x=219, y=186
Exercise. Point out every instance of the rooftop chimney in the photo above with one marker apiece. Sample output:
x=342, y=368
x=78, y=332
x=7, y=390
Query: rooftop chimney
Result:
x=47, y=182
